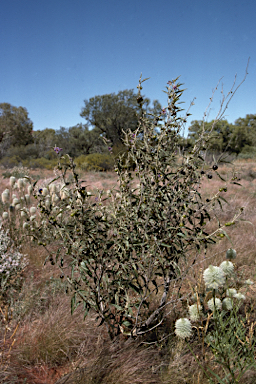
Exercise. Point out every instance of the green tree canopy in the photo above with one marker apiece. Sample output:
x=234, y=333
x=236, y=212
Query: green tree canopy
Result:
x=79, y=140
x=245, y=132
x=114, y=113
x=222, y=136
x=15, y=125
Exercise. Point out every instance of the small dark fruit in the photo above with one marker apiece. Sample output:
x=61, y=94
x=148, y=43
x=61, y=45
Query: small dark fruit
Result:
x=215, y=167
x=61, y=276
x=202, y=172
x=207, y=201
x=209, y=176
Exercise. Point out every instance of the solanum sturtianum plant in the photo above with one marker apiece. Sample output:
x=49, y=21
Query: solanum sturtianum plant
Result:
x=130, y=248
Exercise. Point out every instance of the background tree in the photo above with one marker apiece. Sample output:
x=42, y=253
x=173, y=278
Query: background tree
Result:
x=222, y=138
x=15, y=124
x=44, y=141
x=79, y=140
x=245, y=133
x=114, y=113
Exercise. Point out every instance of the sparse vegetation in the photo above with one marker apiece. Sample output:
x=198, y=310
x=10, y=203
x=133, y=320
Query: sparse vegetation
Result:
x=130, y=248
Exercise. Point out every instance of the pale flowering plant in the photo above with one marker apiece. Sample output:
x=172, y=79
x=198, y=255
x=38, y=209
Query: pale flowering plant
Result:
x=12, y=263
x=19, y=207
x=216, y=313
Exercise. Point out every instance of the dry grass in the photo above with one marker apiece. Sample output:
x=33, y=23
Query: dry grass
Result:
x=51, y=343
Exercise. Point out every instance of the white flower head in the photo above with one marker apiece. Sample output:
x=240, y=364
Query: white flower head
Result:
x=231, y=254
x=23, y=214
x=231, y=292
x=183, y=328
x=12, y=181
x=64, y=193
x=195, y=311
x=5, y=197
x=5, y=215
x=214, y=277
x=21, y=184
x=239, y=296
x=213, y=306
x=32, y=210
x=15, y=201
x=227, y=267
x=55, y=198
x=47, y=202
x=25, y=181
x=45, y=192
x=30, y=189
x=53, y=188
x=227, y=304
x=248, y=282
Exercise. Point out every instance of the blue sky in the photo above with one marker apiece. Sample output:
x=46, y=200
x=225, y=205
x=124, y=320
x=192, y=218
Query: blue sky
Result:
x=56, y=53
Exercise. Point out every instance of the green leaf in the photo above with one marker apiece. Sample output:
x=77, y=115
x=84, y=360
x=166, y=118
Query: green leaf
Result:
x=222, y=198
x=127, y=323
x=220, y=176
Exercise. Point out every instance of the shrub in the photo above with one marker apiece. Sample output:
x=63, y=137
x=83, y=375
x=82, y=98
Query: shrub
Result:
x=9, y=162
x=132, y=248
x=17, y=172
x=42, y=163
x=95, y=162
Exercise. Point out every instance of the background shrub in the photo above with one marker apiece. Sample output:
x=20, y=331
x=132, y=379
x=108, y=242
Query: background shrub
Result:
x=95, y=162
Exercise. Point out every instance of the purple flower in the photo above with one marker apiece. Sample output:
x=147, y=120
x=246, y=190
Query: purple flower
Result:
x=57, y=149
x=110, y=149
x=174, y=86
x=163, y=111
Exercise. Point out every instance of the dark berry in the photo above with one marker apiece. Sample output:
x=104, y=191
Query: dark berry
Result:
x=215, y=167
x=61, y=276
x=207, y=200
x=209, y=176
x=202, y=172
